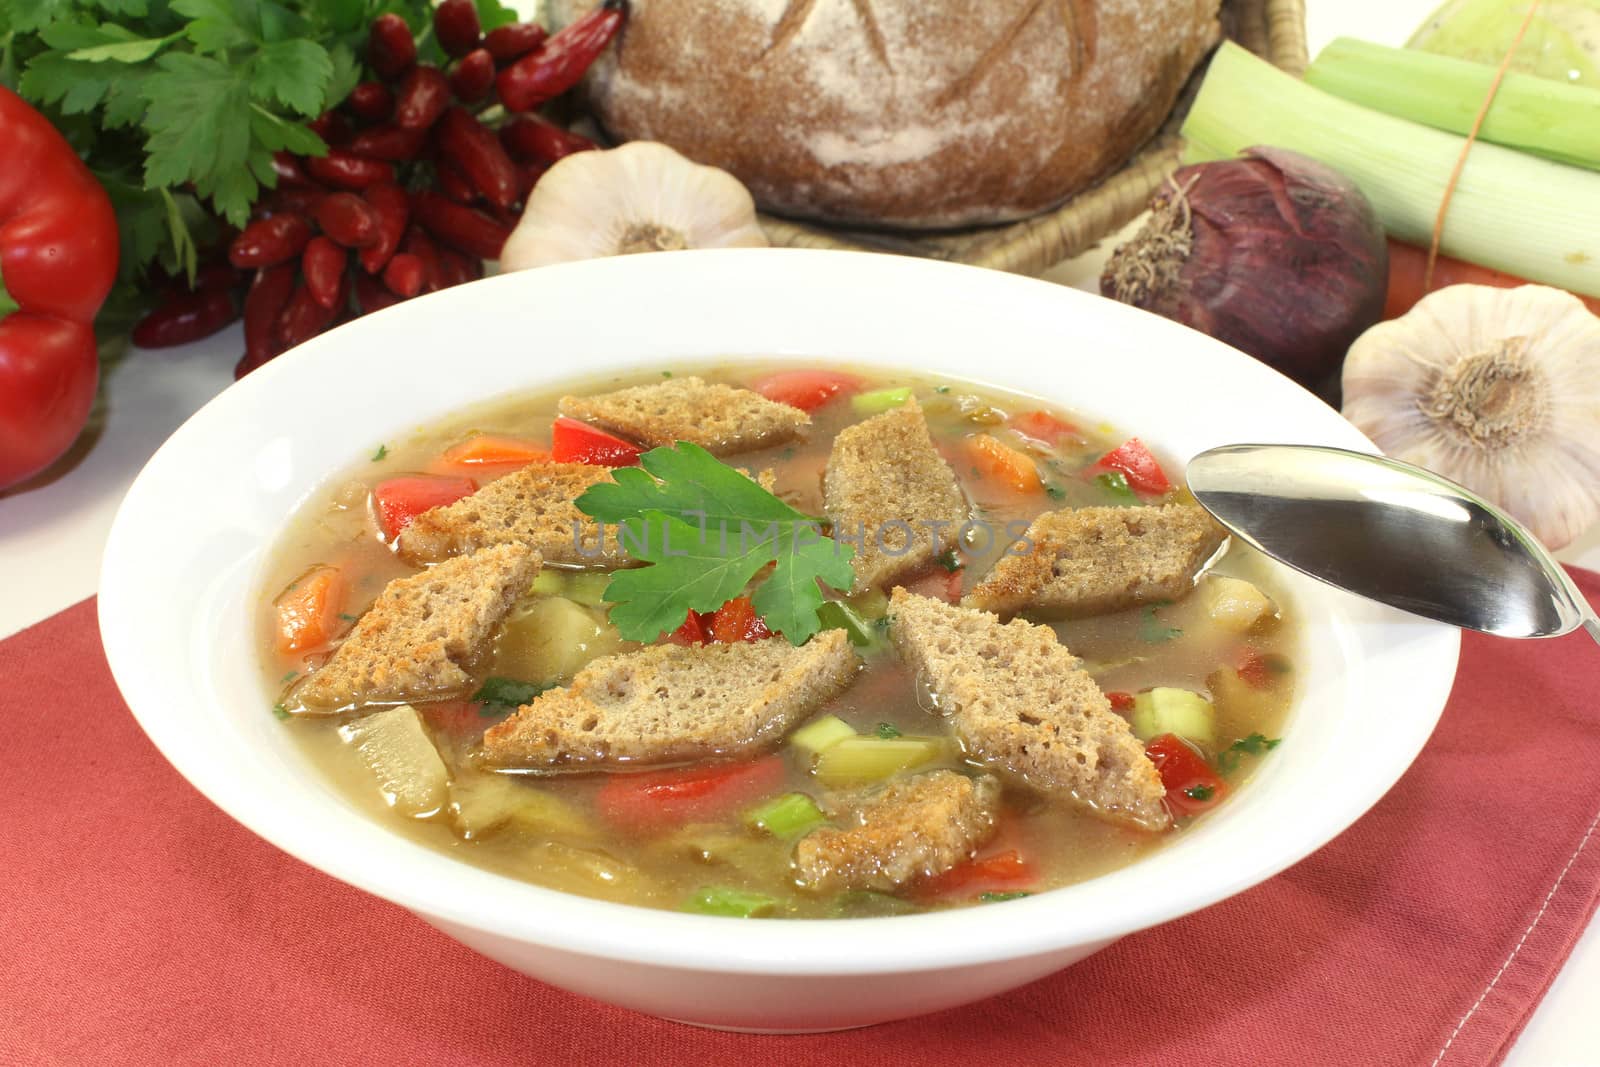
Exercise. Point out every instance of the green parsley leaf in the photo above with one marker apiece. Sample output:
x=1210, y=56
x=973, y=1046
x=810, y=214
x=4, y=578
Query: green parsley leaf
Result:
x=1254, y=745
x=888, y=731
x=941, y=389
x=76, y=87
x=706, y=530
x=1054, y=491
x=286, y=679
x=1151, y=630
x=1200, y=792
x=214, y=26
x=492, y=14
x=949, y=560
x=1115, y=483
x=507, y=692
x=279, y=711
x=382, y=452
x=294, y=73
x=199, y=120
x=995, y=898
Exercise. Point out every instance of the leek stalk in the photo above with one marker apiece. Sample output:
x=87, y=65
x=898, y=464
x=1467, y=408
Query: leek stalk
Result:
x=1537, y=115
x=1511, y=212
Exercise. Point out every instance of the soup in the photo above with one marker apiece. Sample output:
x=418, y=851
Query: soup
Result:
x=848, y=642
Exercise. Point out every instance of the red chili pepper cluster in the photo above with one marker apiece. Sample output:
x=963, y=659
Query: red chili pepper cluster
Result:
x=415, y=191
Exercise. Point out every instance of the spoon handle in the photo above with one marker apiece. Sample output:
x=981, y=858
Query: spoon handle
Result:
x=1591, y=623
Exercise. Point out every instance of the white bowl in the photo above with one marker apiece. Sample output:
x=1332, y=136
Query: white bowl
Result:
x=184, y=563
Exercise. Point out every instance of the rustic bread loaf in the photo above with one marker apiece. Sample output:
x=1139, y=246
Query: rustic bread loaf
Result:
x=907, y=113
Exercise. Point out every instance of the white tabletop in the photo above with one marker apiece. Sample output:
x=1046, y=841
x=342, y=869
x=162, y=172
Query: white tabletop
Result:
x=52, y=532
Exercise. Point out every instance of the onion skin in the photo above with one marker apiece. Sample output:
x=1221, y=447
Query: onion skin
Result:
x=1283, y=258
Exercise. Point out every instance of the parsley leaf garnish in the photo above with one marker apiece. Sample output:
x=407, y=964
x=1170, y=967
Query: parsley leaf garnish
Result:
x=995, y=898
x=507, y=692
x=279, y=711
x=383, y=450
x=707, y=530
x=888, y=731
x=1200, y=792
x=1151, y=630
x=1254, y=745
x=949, y=560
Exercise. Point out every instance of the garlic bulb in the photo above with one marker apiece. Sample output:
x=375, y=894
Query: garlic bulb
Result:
x=641, y=197
x=1498, y=389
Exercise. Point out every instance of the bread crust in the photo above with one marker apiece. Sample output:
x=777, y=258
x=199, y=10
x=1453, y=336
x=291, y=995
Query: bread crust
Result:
x=904, y=113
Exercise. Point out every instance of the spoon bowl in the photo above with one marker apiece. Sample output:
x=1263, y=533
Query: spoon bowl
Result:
x=1391, y=532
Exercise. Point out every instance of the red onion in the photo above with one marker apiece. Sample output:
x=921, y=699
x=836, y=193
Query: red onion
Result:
x=1273, y=253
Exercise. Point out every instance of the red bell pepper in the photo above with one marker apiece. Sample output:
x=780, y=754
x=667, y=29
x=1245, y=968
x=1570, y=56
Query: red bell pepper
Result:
x=58, y=258
x=1134, y=461
x=1192, y=786
x=572, y=441
x=658, y=800
x=1002, y=872
x=400, y=500
x=807, y=390
x=737, y=621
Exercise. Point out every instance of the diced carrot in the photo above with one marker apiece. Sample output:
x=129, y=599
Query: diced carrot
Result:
x=1043, y=427
x=807, y=390
x=400, y=500
x=1000, y=872
x=737, y=621
x=572, y=441
x=1253, y=668
x=494, y=450
x=1006, y=465
x=1408, y=264
x=649, y=801
x=308, y=610
x=1134, y=461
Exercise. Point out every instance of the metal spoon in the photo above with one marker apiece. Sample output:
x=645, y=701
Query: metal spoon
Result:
x=1394, y=533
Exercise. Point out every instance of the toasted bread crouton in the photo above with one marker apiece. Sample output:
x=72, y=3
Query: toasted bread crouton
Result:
x=720, y=418
x=533, y=506
x=888, y=492
x=913, y=828
x=1018, y=702
x=1090, y=561
x=669, y=703
x=423, y=633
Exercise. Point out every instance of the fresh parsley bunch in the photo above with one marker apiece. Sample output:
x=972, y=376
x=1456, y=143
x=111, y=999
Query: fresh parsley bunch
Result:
x=178, y=105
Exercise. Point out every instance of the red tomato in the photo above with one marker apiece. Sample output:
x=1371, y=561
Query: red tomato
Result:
x=572, y=441
x=807, y=390
x=1192, y=786
x=400, y=500
x=1002, y=872
x=658, y=800
x=737, y=621
x=1136, y=463
x=1043, y=426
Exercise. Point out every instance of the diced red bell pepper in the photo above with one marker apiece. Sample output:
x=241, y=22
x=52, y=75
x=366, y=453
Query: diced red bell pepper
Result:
x=1043, y=427
x=651, y=801
x=1001, y=872
x=737, y=621
x=1136, y=464
x=457, y=718
x=939, y=583
x=1121, y=703
x=693, y=630
x=1192, y=786
x=400, y=500
x=572, y=441
x=807, y=390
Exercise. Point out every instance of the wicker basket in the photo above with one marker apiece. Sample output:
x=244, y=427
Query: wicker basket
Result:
x=1272, y=29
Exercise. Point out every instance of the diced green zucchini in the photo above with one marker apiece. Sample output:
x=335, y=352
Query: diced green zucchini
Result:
x=549, y=582
x=872, y=759
x=1166, y=710
x=736, y=903
x=481, y=803
x=880, y=400
x=787, y=816
x=820, y=733
x=837, y=615
x=397, y=750
x=871, y=605
x=1235, y=605
x=551, y=639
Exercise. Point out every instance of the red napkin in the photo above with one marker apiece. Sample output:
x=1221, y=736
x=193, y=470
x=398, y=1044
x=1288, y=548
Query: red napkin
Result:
x=141, y=925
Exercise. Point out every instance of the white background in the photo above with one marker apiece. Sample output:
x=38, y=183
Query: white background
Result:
x=52, y=532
